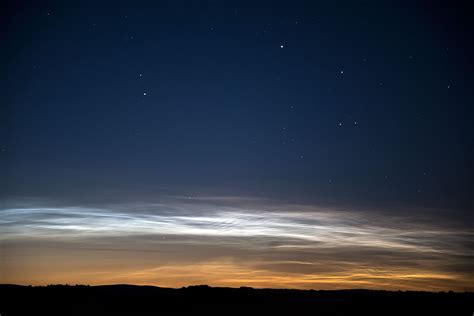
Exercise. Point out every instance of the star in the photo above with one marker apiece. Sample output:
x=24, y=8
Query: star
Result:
x=340, y=124
x=144, y=93
x=281, y=46
x=355, y=122
x=141, y=75
x=342, y=71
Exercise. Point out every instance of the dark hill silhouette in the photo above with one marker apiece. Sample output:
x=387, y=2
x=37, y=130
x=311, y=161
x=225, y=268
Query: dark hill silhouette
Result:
x=150, y=300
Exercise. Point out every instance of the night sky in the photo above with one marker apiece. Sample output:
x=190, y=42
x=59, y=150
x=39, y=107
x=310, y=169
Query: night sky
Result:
x=268, y=144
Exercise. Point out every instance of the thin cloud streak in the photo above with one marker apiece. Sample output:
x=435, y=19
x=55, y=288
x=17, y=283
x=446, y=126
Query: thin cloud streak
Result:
x=284, y=245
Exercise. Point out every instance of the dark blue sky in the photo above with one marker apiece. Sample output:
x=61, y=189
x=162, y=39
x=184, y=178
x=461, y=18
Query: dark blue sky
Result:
x=329, y=103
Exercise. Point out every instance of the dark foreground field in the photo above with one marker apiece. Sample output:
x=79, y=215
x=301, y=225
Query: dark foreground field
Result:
x=149, y=300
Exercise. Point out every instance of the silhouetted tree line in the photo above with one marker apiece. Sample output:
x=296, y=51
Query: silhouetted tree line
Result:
x=150, y=300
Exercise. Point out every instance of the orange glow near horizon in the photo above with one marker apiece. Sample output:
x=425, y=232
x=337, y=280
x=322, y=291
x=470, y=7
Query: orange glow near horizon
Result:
x=100, y=268
x=227, y=274
x=280, y=246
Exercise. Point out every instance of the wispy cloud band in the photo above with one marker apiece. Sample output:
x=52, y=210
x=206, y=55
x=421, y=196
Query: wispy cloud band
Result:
x=280, y=245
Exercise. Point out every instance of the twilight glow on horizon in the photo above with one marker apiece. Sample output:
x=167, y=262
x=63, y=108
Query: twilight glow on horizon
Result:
x=213, y=241
x=281, y=144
